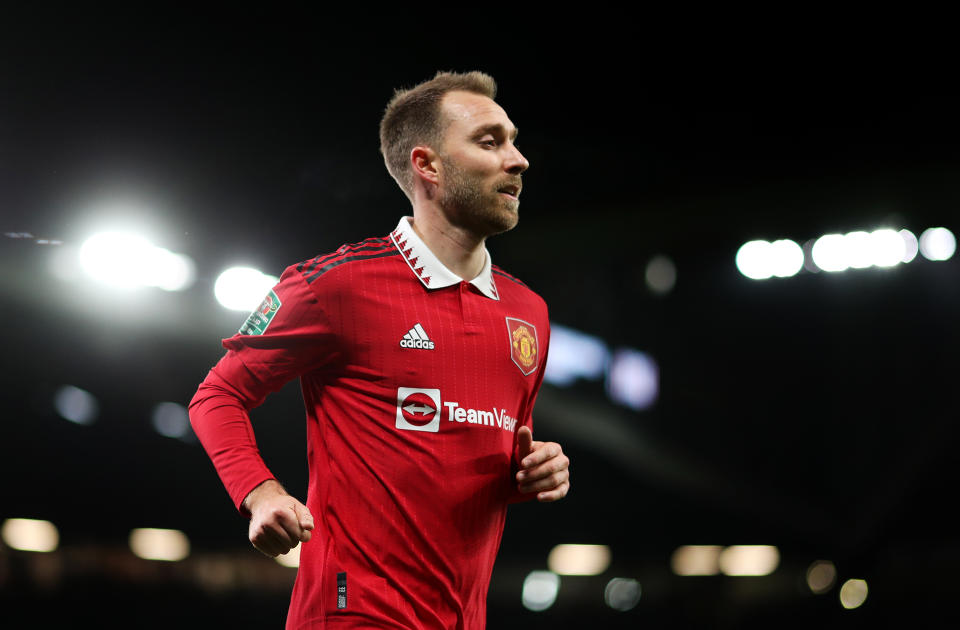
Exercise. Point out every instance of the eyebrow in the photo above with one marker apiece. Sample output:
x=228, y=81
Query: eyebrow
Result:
x=495, y=128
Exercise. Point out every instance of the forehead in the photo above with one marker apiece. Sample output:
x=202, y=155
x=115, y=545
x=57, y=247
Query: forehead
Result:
x=467, y=111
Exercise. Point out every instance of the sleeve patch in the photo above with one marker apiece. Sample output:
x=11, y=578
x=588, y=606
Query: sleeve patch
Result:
x=259, y=319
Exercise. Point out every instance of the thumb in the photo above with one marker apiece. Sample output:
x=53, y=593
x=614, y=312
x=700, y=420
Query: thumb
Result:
x=305, y=520
x=524, y=442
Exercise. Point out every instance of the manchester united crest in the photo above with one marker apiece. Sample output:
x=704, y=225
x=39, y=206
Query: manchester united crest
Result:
x=523, y=345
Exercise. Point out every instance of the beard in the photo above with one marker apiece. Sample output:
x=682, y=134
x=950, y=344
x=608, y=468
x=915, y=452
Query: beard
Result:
x=470, y=203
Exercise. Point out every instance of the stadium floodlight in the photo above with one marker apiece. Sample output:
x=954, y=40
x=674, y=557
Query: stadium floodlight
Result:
x=126, y=260
x=171, y=419
x=911, y=246
x=76, y=405
x=887, y=248
x=830, y=253
x=853, y=593
x=633, y=379
x=938, y=243
x=622, y=594
x=753, y=260
x=242, y=288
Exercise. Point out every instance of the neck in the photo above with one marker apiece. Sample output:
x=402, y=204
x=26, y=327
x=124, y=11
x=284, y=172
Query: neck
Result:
x=460, y=251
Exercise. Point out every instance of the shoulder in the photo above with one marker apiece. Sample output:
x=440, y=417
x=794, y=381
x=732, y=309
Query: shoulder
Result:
x=371, y=249
x=509, y=284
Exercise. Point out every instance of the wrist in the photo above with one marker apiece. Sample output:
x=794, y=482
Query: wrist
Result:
x=269, y=488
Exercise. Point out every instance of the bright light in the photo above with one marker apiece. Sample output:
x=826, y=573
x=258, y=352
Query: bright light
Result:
x=760, y=260
x=937, y=244
x=696, y=560
x=821, y=576
x=661, y=274
x=291, y=558
x=574, y=355
x=859, y=251
x=540, y=590
x=743, y=560
x=76, y=405
x=125, y=260
x=786, y=258
x=887, y=248
x=622, y=594
x=830, y=253
x=633, y=379
x=853, y=593
x=910, y=245
x=169, y=545
x=27, y=534
x=579, y=559
x=753, y=260
x=242, y=288
x=171, y=420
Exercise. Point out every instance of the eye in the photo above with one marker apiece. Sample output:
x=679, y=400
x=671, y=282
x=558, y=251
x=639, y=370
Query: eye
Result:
x=489, y=142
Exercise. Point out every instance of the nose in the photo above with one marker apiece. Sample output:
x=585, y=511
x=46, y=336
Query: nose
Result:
x=515, y=162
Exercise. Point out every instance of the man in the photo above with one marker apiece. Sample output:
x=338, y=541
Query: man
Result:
x=419, y=364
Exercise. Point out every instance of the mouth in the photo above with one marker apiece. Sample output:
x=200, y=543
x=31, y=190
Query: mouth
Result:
x=510, y=190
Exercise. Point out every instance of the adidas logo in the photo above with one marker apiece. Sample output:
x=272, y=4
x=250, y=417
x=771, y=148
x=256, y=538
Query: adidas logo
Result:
x=417, y=338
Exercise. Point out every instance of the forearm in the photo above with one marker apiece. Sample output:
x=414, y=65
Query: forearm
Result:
x=222, y=424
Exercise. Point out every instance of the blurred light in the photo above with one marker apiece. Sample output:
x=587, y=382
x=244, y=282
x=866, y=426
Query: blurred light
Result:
x=633, y=379
x=171, y=420
x=743, y=560
x=159, y=544
x=661, y=274
x=910, y=245
x=887, y=248
x=579, y=559
x=760, y=260
x=808, y=263
x=696, y=560
x=853, y=593
x=242, y=288
x=574, y=355
x=540, y=590
x=291, y=558
x=821, y=576
x=27, y=534
x=830, y=253
x=859, y=253
x=168, y=270
x=937, y=244
x=76, y=405
x=622, y=594
x=753, y=260
x=115, y=258
x=126, y=260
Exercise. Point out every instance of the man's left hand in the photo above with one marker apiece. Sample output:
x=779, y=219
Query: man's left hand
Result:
x=544, y=468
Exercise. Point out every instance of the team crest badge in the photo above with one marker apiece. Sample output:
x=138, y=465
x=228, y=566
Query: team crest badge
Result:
x=258, y=321
x=523, y=345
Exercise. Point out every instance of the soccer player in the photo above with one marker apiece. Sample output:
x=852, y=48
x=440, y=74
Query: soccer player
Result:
x=419, y=363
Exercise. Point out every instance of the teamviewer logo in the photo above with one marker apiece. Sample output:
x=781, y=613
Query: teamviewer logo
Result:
x=418, y=409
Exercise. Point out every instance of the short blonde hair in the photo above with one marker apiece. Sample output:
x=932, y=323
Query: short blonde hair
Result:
x=413, y=117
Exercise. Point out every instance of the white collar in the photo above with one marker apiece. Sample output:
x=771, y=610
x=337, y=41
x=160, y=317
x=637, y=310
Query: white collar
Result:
x=428, y=268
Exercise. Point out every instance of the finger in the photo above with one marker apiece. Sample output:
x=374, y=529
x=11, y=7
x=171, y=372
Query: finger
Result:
x=539, y=455
x=554, y=495
x=553, y=465
x=550, y=482
x=524, y=442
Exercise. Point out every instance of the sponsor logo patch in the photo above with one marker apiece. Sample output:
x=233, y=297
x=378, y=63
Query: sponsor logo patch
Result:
x=418, y=409
x=258, y=321
x=523, y=344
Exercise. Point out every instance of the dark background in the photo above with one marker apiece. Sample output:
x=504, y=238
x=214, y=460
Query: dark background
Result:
x=814, y=413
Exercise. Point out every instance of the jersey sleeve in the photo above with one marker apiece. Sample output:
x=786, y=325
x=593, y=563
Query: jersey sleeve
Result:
x=288, y=335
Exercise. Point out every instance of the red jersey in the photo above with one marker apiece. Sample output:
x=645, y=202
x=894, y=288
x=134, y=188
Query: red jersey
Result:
x=415, y=383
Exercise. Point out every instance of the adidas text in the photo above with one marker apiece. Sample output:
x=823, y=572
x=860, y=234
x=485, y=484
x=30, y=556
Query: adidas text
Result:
x=420, y=344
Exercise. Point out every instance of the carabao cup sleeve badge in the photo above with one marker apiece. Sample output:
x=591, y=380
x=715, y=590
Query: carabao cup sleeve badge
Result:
x=523, y=344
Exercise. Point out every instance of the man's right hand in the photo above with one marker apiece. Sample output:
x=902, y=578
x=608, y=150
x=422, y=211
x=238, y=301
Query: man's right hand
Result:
x=278, y=522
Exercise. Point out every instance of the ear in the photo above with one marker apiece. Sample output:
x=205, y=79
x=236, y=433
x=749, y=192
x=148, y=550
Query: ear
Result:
x=425, y=164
